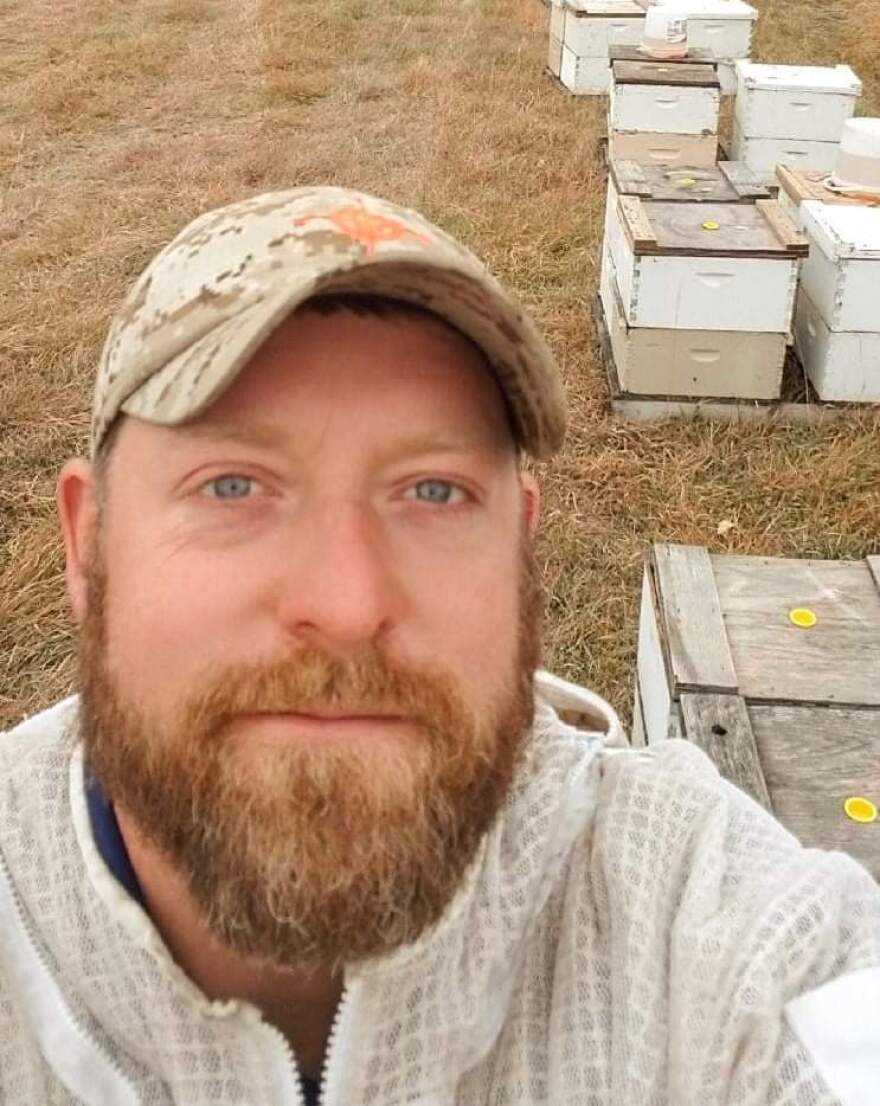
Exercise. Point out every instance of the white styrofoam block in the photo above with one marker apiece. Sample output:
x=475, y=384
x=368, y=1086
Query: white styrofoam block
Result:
x=794, y=101
x=762, y=155
x=842, y=273
x=663, y=109
x=703, y=293
x=590, y=32
x=682, y=362
x=843, y=365
x=585, y=76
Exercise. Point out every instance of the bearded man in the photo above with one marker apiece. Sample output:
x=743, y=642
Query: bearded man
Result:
x=313, y=828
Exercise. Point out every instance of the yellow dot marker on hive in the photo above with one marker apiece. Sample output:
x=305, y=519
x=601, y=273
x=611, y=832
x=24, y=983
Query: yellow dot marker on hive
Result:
x=860, y=809
x=686, y=180
x=710, y=225
x=802, y=617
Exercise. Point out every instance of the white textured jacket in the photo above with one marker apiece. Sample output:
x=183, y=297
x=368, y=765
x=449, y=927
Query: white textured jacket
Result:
x=633, y=932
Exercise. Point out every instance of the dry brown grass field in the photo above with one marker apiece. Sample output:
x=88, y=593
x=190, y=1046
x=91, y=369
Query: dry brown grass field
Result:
x=119, y=122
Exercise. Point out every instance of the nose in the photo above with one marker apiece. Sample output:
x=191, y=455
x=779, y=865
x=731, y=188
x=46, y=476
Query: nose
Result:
x=340, y=587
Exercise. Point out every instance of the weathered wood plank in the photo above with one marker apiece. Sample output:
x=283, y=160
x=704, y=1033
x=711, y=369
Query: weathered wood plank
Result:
x=784, y=229
x=629, y=177
x=665, y=73
x=720, y=725
x=693, y=626
x=836, y=661
x=638, y=738
x=813, y=758
x=652, y=675
x=696, y=55
x=742, y=180
x=636, y=223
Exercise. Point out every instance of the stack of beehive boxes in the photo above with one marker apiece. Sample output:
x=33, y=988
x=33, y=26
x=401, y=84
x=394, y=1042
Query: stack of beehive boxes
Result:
x=698, y=282
x=791, y=115
x=837, y=316
x=663, y=112
x=581, y=34
x=724, y=28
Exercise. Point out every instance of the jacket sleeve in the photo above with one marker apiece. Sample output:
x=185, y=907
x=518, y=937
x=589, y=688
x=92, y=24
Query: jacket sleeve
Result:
x=753, y=962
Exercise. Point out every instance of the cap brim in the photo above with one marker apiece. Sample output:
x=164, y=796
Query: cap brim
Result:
x=193, y=379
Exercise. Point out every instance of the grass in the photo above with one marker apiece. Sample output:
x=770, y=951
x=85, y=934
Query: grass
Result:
x=121, y=122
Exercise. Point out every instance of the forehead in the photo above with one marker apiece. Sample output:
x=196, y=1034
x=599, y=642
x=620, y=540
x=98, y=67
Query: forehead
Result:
x=391, y=375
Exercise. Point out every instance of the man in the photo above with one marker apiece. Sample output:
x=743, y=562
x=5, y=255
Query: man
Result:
x=313, y=826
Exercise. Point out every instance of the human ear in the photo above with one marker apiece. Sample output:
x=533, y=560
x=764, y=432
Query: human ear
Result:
x=75, y=498
x=531, y=500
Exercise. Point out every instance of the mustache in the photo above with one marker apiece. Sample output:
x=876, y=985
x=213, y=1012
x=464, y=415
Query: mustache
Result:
x=315, y=680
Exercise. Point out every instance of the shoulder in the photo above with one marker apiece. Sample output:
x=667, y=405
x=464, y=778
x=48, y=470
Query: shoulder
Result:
x=674, y=842
x=37, y=746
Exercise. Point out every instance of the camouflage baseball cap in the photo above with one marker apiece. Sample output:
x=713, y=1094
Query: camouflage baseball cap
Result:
x=208, y=300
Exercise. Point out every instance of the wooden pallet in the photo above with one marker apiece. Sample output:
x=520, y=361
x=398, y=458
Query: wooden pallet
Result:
x=798, y=403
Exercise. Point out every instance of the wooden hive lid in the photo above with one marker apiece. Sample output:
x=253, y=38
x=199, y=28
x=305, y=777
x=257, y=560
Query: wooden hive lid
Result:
x=812, y=184
x=666, y=72
x=727, y=626
x=725, y=182
x=604, y=9
x=662, y=228
x=696, y=55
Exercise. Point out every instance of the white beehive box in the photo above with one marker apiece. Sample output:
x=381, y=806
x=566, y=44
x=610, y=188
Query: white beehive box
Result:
x=705, y=266
x=842, y=274
x=763, y=155
x=581, y=34
x=724, y=27
x=843, y=365
x=654, y=361
x=794, y=101
x=664, y=149
x=663, y=98
x=799, y=185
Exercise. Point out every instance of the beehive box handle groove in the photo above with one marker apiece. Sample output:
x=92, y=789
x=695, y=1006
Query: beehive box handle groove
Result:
x=783, y=227
x=742, y=180
x=720, y=726
x=690, y=610
x=636, y=224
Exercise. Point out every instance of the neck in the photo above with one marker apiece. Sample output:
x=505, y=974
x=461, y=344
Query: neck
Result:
x=299, y=1002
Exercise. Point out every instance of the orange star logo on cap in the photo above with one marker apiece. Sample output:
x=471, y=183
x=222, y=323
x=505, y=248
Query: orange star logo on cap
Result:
x=365, y=227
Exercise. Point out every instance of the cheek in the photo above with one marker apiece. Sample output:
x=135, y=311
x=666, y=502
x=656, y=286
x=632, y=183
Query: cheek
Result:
x=474, y=616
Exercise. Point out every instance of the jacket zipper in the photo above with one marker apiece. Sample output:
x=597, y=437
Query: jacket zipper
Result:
x=101, y=1080
x=330, y=1066
x=291, y=1064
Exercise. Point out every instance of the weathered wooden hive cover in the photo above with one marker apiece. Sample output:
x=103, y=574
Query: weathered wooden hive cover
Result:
x=798, y=185
x=726, y=182
x=772, y=666
x=667, y=73
x=682, y=229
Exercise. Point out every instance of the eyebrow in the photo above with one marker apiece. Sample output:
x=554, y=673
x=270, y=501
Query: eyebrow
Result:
x=268, y=436
x=242, y=433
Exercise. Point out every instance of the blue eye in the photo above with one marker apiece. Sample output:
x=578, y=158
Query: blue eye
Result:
x=441, y=492
x=230, y=487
